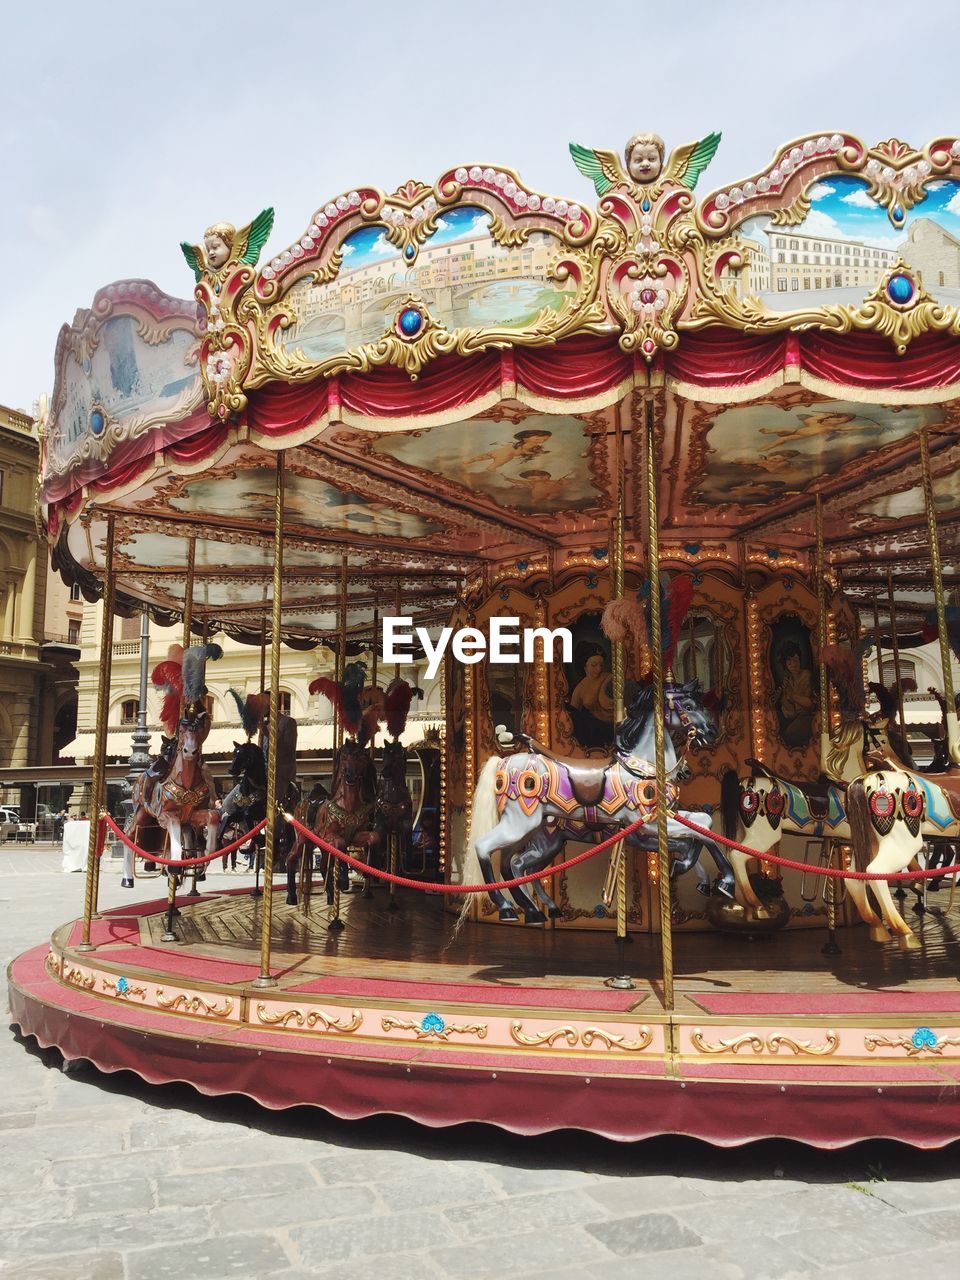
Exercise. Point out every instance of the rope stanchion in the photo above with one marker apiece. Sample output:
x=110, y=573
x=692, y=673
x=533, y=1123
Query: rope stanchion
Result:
x=122, y=836
x=836, y=873
x=431, y=887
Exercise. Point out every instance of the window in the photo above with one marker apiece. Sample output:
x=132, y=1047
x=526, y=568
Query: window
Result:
x=208, y=703
x=793, y=257
x=285, y=703
x=942, y=279
x=130, y=628
x=806, y=282
x=817, y=282
x=781, y=243
x=780, y=258
x=73, y=631
x=908, y=675
x=837, y=279
x=795, y=283
x=75, y=591
x=794, y=244
x=128, y=710
x=782, y=285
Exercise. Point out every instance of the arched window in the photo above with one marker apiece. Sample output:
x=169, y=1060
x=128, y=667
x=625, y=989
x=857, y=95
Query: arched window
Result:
x=285, y=702
x=128, y=710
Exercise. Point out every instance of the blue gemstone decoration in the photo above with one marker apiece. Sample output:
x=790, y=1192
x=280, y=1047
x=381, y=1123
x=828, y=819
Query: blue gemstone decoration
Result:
x=691, y=548
x=771, y=553
x=523, y=565
x=600, y=911
x=409, y=251
x=216, y=288
x=411, y=322
x=432, y=1024
x=645, y=205
x=591, y=581
x=123, y=986
x=97, y=422
x=900, y=289
x=599, y=553
x=923, y=1038
x=897, y=213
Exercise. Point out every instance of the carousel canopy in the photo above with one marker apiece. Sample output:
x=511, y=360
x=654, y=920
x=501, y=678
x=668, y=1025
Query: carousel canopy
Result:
x=448, y=372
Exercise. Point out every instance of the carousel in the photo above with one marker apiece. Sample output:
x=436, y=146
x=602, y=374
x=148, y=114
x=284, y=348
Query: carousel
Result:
x=664, y=488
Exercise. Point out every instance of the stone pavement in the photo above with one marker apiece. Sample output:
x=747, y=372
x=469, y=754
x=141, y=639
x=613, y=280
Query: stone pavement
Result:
x=104, y=1177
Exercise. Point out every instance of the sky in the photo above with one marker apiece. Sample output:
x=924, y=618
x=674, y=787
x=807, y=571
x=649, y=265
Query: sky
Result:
x=127, y=128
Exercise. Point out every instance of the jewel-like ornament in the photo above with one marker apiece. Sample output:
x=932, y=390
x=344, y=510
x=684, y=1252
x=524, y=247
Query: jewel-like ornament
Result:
x=900, y=289
x=410, y=322
x=924, y=1038
x=97, y=421
x=432, y=1024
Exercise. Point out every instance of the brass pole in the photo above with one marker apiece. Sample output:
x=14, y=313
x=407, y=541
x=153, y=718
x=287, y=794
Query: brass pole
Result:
x=951, y=725
x=824, y=688
x=830, y=947
x=656, y=655
x=396, y=613
x=618, y=855
x=376, y=655
x=263, y=646
x=270, y=831
x=97, y=788
x=334, y=866
x=877, y=640
x=895, y=642
x=188, y=591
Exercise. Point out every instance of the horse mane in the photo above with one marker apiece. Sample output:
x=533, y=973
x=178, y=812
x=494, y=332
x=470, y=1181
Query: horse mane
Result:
x=638, y=713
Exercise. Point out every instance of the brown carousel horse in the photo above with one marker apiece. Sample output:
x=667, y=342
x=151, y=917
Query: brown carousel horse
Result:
x=177, y=791
x=346, y=820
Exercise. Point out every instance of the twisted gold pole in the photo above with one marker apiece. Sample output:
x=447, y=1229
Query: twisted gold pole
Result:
x=895, y=643
x=822, y=639
x=951, y=725
x=188, y=591
x=618, y=854
x=656, y=655
x=97, y=787
x=270, y=831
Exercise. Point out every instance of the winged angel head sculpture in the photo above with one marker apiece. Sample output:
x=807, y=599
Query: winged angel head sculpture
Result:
x=645, y=168
x=224, y=245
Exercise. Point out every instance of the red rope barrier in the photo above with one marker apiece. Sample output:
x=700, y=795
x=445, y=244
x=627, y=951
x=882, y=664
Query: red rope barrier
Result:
x=930, y=873
x=431, y=887
x=107, y=821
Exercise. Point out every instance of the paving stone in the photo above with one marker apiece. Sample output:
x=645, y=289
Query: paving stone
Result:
x=134, y=1194
x=401, y=1266
x=369, y=1166
x=519, y=1254
x=116, y=1233
x=640, y=1195
x=32, y=1206
x=318, y=1204
x=437, y=1187
x=231, y=1184
x=517, y=1180
x=136, y=1164
x=63, y=1142
x=369, y=1237
x=908, y=1197
x=682, y=1264
x=933, y=1263
x=18, y=1119
x=247, y=1255
x=171, y=1128
x=214, y=1152
x=99, y=1266
x=643, y=1234
x=524, y=1213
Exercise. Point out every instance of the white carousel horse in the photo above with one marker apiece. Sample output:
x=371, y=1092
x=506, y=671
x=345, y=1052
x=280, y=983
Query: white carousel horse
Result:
x=532, y=802
x=886, y=814
x=761, y=807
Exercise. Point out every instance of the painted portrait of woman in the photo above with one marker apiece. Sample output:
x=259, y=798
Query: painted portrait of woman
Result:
x=794, y=680
x=590, y=681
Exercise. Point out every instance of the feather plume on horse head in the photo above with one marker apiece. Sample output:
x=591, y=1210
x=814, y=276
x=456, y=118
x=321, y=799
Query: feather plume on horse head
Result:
x=168, y=676
x=632, y=617
x=847, y=674
x=396, y=704
x=253, y=710
x=345, y=695
x=195, y=670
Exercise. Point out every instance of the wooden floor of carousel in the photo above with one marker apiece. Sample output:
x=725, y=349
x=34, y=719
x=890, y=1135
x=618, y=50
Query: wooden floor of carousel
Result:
x=514, y=1026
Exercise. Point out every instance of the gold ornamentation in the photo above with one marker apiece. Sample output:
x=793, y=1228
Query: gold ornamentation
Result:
x=433, y=1027
x=922, y=1041
x=612, y=1041
x=78, y=978
x=769, y=1044
x=194, y=1004
x=122, y=989
x=52, y=963
x=540, y=1038
x=506, y=235
x=792, y=214
x=316, y=1017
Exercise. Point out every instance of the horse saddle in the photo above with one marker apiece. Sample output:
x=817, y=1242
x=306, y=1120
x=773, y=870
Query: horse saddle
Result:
x=949, y=783
x=816, y=794
x=586, y=779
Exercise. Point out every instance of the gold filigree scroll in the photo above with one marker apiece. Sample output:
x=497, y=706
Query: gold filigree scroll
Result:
x=432, y=1027
x=78, y=978
x=195, y=1004
x=314, y=1018
x=922, y=1041
x=769, y=1044
x=587, y=1037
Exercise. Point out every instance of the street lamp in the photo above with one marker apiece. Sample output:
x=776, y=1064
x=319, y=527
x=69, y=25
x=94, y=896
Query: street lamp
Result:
x=139, y=760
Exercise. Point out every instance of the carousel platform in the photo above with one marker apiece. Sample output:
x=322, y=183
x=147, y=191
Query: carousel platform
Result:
x=513, y=1027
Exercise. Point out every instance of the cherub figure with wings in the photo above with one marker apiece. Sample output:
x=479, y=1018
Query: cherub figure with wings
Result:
x=223, y=245
x=644, y=158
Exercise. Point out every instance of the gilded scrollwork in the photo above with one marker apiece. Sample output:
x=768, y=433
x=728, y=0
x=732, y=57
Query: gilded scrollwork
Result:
x=771, y=1044
x=311, y=1019
x=433, y=1027
x=543, y=1039
x=194, y=1004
